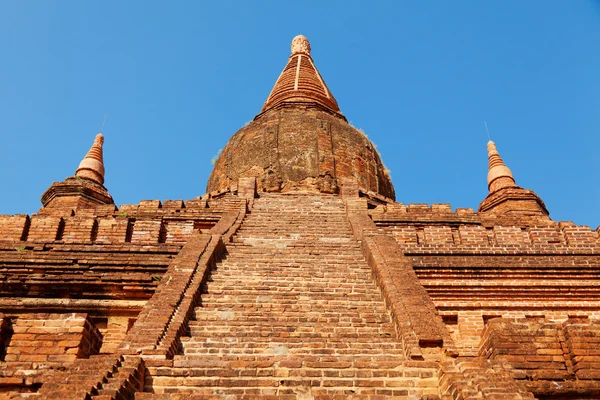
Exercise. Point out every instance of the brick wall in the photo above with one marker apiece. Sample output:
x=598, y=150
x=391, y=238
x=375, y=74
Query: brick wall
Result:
x=53, y=338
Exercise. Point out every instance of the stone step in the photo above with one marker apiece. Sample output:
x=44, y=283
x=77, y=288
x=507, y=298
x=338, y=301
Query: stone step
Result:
x=232, y=311
x=283, y=332
x=230, y=275
x=240, y=351
x=227, y=291
x=324, y=330
x=291, y=311
x=295, y=268
x=305, y=314
x=290, y=273
x=285, y=393
x=290, y=249
x=248, y=347
x=351, y=375
x=268, y=378
x=231, y=315
x=286, y=288
x=292, y=268
x=242, y=315
x=290, y=390
x=265, y=301
x=316, y=299
x=306, y=262
x=236, y=363
x=327, y=265
x=377, y=345
x=309, y=260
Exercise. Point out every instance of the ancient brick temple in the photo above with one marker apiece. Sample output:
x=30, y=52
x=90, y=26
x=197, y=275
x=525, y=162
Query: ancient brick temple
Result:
x=298, y=276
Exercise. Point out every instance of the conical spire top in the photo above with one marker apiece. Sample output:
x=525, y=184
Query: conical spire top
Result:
x=300, y=81
x=92, y=166
x=499, y=175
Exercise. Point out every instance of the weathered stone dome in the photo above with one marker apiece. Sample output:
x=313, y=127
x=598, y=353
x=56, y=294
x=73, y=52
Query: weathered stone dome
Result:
x=301, y=141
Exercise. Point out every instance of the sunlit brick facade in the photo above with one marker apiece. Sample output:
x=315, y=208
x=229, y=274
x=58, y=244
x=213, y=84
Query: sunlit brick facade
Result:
x=297, y=276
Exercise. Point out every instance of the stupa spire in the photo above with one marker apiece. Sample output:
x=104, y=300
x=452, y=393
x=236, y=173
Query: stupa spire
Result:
x=300, y=81
x=505, y=197
x=92, y=165
x=83, y=191
x=499, y=175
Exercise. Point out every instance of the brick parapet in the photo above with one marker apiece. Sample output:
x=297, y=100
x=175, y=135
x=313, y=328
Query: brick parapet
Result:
x=401, y=214
x=102, y=230
x=439, y=238
x=148, y=222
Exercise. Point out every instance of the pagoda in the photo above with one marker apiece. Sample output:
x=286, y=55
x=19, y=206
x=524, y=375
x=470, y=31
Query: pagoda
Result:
x=298, y=275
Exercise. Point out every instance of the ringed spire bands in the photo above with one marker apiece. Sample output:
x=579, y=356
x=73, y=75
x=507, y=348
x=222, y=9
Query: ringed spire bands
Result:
x=300, y=81
x=92, y=166
x=505, y=197
x=499, y=175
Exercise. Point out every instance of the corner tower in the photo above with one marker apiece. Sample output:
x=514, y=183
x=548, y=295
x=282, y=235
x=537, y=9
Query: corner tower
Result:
x=505, y=197
x=84, y=190
x=301, y=142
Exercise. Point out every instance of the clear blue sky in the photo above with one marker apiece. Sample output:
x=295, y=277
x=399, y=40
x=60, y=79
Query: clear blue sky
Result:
x=178, y=78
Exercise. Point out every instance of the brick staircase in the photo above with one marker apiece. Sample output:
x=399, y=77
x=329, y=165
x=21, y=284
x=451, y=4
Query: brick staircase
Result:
x=291, y=312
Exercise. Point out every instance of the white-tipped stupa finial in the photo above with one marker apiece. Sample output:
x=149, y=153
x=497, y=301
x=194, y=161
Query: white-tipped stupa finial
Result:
x=300, y=44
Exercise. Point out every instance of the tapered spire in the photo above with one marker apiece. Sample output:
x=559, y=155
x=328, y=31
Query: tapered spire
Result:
x=505, y=197
x=499, y=175
x=300, y=81
x=92, y=166
x=85, y=190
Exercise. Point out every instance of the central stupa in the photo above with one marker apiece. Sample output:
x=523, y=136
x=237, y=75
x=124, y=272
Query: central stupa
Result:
x=301, y=142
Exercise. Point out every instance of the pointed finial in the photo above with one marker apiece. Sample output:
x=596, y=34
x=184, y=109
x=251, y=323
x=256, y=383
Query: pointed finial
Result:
x=499, y=175
x=300, y=82
x=92, y=166
x=300, y=44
